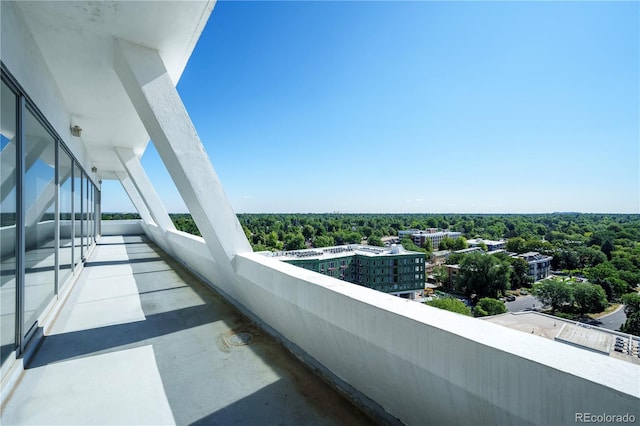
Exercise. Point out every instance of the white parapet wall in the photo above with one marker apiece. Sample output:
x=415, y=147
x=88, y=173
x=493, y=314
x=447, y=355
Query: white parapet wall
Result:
x=122, y=227
x=420, y=364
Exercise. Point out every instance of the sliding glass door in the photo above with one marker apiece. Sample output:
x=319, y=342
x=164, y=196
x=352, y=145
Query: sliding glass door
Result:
x=47, y=218
x=8, y=215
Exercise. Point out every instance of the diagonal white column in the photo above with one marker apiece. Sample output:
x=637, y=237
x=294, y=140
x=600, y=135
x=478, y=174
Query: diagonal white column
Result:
x=7, y=169
x=160, y=108
x=135, y=198
x=45, y=199
x=34, y=148
x=145, y=188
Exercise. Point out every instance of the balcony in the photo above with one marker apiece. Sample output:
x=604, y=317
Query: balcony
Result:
x=172, y=328
x=141, y=340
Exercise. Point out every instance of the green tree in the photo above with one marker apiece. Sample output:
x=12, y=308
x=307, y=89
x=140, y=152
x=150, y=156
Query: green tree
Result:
x=519, y=273
x=588, y=257
x=367, y=231
x=260, y=247
x=601, y=272
x=607, y=248
x=441, y=275
x=323, y=241
x=632, y=325
x=589, y=297
x=308, y=231
x=553, y=292
x=632, y=309
x=450, y=304
x=272, y=241
x=459, y=243
x=631, y=303
x=445, y=244
x=375, y=240
x=427, y=245
x=614, y=287
x=294, y=241
x=247, y=233
x=408, y=244
x=516, y=245
x=488, y=306
x=566, y=259
x=353, y=237
x=483, y=274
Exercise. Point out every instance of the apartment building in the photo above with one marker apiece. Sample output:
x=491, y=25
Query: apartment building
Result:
x=391, y=270
x=539, y=264
x=435, y=236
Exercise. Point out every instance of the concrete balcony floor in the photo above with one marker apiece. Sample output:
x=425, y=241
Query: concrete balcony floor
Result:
x=142, y=341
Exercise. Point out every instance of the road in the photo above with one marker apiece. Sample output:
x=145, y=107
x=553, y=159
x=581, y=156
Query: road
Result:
x=523, y=302
x=614, y=320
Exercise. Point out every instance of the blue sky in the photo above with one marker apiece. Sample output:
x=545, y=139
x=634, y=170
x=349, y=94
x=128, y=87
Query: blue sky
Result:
x=420, y=107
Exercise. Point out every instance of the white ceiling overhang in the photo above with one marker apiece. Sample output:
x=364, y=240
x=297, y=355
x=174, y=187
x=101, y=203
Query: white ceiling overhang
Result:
x=77, y=42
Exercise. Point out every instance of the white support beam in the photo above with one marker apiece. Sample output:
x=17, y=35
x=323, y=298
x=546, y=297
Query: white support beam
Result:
x=34, y=147
x=45, y=199
x=135, y=197
x=145, y=188
x=160, y=108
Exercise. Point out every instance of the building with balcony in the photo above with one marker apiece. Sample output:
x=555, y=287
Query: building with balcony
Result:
x=137, y=323
x=539, y=264
x=419, y=237
x=491, y=245
x=391, y=269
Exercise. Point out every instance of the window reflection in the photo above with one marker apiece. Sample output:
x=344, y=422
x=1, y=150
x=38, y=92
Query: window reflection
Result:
x=65, y=254
x=77, y=214
x=7, y=223
x=39, y=203
x=86, y=213
x=92, y=209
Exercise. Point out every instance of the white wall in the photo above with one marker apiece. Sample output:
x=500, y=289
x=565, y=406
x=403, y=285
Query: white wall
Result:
x=421, y=364
x=24, y=60
x=122, y=227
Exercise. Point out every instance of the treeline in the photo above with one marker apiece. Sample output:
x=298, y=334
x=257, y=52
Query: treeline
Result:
x=120, y=216
x=605, y=247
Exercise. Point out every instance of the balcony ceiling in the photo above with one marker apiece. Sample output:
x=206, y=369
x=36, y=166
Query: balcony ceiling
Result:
x=76, y=40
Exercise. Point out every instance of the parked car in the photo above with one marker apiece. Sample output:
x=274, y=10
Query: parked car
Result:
x=510, y=298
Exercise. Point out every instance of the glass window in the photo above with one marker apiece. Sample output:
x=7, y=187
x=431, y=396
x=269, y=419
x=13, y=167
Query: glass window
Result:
x=39, y=221
x=98, y=211
x=7, y=223
x=65, y=254
x=86, y=213
x=92, y=218
x=77, y=214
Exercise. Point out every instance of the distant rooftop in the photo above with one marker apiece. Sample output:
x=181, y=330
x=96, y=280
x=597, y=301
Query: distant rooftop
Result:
x=487, y=242
x=596, y=339
x=468, y=250
x=339, y=251
x=533, y=255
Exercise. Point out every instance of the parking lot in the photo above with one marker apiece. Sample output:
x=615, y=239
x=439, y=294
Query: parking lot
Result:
x=523, y=302
x=612, y=321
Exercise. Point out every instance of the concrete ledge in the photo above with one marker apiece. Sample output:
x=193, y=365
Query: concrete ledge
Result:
x=406, y=355
x=122, y=227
